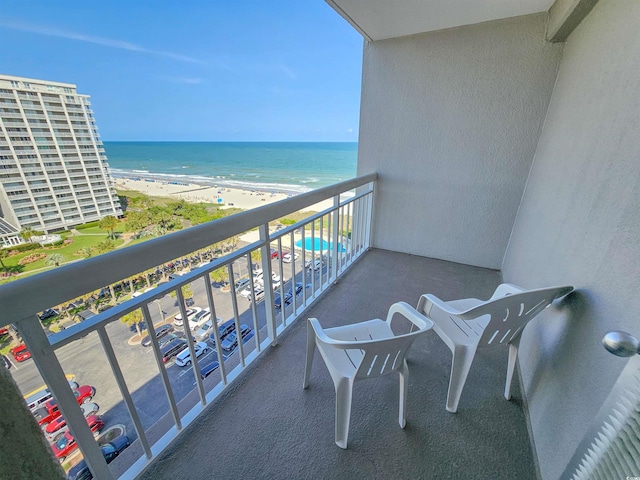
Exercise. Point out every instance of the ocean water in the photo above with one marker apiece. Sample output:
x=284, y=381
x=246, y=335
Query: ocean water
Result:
x=270, y=166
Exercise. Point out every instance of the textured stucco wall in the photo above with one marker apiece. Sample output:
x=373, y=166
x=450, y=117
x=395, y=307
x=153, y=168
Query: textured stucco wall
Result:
x=579, y=223
x=450, y=121
x=25, y=453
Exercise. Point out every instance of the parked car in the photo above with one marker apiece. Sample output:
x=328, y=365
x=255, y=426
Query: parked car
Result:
x=110, y=450
x=166, y=339
x=299, y=288
x=316, y=264
x=48, y=313
x=64, y=446
x=205, y=330
x=199, y=319
x=6, y=362
x=223, y=330
x=257, y=296
x=273, y=253
x=231, y=340
x=20, y=353
x=43, y=395
x=58, y=427
x=172, y=348
x=89, y=408
x=191, y=312
x=288, y=297
x=286, y=258
x=84, y=393
x=47, y=413
x=209, y=369
x=240, y=284
x=183, y=359
x=161, y=331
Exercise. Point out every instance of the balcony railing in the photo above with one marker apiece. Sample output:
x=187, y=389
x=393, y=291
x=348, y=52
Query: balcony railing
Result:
x=330, y=241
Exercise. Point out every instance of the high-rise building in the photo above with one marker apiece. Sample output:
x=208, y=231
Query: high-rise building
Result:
x=53, y=168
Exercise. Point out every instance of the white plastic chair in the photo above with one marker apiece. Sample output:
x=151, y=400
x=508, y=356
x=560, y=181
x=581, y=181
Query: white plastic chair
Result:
x=360, y=351
x=467, y=324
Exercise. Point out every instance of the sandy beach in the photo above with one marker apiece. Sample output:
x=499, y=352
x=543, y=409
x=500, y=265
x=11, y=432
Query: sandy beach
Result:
x=228, y=197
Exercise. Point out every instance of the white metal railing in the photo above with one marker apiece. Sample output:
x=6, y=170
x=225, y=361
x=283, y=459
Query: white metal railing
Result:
x=338, y=237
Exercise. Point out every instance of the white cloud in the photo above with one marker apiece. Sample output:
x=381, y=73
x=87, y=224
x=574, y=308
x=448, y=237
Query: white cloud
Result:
x=106, y=42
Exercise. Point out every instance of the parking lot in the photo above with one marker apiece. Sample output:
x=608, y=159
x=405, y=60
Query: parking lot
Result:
x=86, y=362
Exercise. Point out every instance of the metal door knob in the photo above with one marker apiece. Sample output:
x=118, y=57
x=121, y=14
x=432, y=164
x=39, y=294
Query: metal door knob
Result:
x=622, y=344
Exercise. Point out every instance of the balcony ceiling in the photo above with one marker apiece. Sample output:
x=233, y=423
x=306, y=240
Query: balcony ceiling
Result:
x=382, y=19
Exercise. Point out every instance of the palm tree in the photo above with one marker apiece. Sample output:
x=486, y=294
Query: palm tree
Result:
x=27, y=233
x=109, y=223
x=54, y=259
x=133, y=318
x=86, y=252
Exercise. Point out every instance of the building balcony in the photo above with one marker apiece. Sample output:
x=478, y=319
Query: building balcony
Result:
x=254, y=405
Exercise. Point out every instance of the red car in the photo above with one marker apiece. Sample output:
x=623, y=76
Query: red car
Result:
x=84, y=393
x=274, y=253
x=64, y=446
x=20, y=353
x=47, y=413
x=58, y=427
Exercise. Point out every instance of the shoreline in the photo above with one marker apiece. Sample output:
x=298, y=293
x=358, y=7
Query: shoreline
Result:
x=227, y=197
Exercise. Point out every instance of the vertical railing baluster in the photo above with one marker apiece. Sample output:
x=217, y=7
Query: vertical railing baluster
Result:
x=281, y=275
x=122, y=385
x=304, y=263
x=266, y=276
x=190, y=343
x=236, y=315
x=336, y=230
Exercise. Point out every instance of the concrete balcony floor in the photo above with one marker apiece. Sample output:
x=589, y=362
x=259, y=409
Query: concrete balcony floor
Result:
x=267, y=426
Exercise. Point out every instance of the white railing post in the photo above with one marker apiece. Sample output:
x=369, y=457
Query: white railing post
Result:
x=268, y=291
x=334, y=251
x=47, y=362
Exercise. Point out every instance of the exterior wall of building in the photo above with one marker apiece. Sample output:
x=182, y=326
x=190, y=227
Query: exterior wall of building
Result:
x=579, y=224
x=53, y=169
x=450, y=121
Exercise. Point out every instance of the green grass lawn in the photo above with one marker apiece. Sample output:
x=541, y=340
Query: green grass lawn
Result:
x=67, y=251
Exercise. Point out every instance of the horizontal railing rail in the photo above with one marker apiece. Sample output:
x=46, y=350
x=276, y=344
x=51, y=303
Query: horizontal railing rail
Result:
x=17, y=300
x=342, y=233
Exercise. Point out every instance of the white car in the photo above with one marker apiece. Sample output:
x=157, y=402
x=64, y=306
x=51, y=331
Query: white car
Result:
x=287, y=257
x=191, y=312
x=184, y=357
x=199, y=319
x=205, y=330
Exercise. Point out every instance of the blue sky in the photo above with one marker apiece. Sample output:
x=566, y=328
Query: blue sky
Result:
x=244, y=70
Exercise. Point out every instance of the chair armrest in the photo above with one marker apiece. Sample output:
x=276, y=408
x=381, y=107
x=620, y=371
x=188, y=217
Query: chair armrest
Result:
x=411, y=314
x=428, y=301
x=323, y=338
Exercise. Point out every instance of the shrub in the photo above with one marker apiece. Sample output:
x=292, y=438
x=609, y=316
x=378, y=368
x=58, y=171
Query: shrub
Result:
x=87, y=225
x=24, y=247
x=34, y=257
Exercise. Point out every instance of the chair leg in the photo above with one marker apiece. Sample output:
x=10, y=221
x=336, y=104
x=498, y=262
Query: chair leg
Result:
x=344, y=390
x=403, y=371
x=461, y=364
x=513, y=356
x=311, y=348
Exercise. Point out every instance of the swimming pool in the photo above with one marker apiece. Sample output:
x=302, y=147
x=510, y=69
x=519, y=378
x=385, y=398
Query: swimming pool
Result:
x=317, y=244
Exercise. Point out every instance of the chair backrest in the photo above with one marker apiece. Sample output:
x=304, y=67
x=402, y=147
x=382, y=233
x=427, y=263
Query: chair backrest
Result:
x=509, y=314
x=382, y=357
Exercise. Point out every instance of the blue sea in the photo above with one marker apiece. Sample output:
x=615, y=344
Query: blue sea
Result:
x=270, y=166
